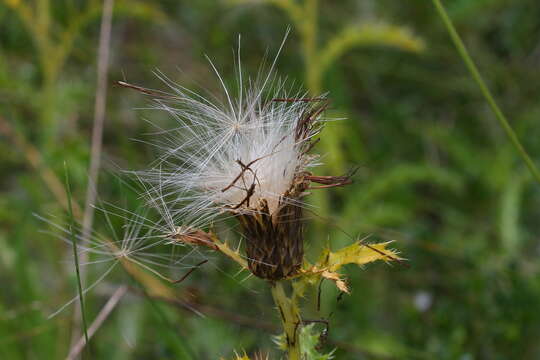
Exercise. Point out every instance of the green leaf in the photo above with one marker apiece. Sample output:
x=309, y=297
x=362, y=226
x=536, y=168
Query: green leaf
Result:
x=309, y=340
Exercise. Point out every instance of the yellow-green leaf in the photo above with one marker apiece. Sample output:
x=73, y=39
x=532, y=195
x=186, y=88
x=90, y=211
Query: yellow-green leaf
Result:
x=357, y=253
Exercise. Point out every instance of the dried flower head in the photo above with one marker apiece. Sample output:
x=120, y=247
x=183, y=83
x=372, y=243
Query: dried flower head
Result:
x=247, y=157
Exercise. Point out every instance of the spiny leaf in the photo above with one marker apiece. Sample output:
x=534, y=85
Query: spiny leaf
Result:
x=357, y=253
x=330, y=262
x=309, y=340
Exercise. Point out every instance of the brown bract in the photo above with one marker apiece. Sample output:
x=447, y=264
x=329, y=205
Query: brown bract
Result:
x=195, y=237
x=274, y=241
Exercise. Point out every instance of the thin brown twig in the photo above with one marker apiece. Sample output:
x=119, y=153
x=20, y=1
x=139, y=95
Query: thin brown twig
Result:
x=331, y=181
x=250, y=170
x=249, y=194
x=100, y=318
x=190, y=271
x=306, y=121
x=97, y=141
x=99, y=116
x=244, y=168
x=327, y=186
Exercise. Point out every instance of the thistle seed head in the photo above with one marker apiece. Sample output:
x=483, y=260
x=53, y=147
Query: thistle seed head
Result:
x=248, y=157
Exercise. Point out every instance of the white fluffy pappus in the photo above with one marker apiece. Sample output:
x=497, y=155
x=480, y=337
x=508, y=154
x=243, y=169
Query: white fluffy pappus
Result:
x=137, y=243
x=225, y=156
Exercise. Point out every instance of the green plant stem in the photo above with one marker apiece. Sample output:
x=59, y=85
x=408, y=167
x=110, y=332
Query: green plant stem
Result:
x=290, y=319
x=462, y=50
x=75, y=254
x=234, y=255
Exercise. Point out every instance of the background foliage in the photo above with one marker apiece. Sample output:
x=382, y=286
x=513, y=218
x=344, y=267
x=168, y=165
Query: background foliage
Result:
x=436, y=173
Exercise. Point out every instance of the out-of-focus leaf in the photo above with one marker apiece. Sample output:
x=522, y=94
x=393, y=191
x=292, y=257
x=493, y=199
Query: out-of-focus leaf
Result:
x=509, y=216
x=141, y=10
x=369, y=34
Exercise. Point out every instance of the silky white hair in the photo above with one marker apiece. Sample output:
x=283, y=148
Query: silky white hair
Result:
x=226, y=155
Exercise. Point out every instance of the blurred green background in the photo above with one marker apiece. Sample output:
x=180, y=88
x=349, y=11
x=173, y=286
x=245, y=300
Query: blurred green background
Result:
x=437, y=173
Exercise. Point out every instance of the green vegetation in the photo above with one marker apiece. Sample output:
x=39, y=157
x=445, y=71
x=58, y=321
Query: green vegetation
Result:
x=437, y=174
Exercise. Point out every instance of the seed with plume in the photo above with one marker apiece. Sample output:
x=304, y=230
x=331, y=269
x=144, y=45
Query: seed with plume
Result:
x=246, y=157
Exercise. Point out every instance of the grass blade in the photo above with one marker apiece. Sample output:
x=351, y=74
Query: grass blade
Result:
x=471, y=66
x=71, y=226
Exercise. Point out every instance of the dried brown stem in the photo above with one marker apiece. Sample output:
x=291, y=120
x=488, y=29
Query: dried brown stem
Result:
x=195, y=237
x=249, y=194
x=305, y=123
x=100, y=318
x=330, y=181
x=190, y=271
x=99, y=116
x=244, y=167
x=97, y=142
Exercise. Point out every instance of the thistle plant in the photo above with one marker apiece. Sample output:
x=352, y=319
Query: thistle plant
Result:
x=250, y=158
